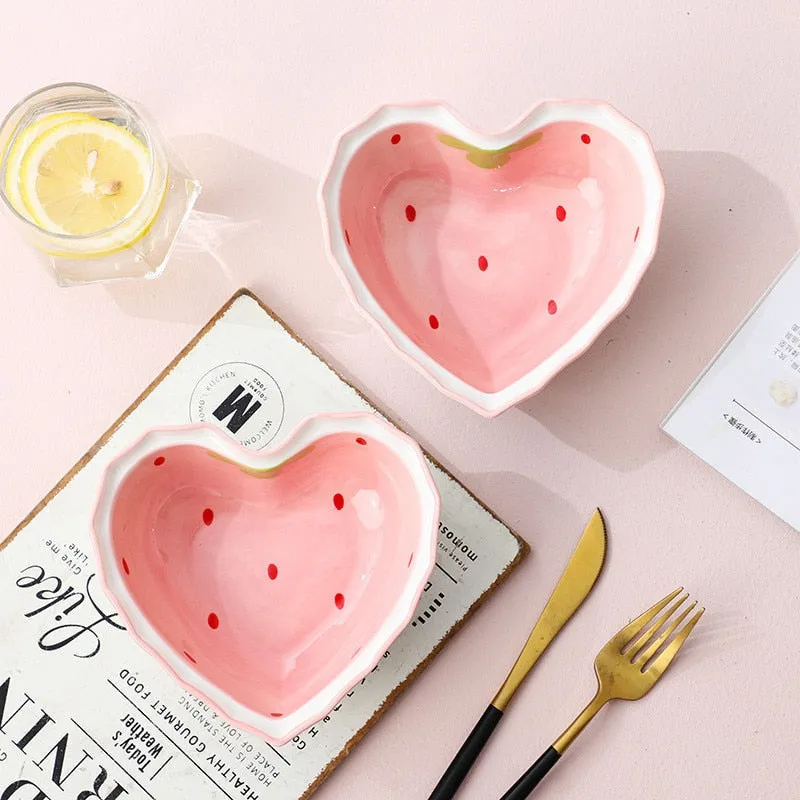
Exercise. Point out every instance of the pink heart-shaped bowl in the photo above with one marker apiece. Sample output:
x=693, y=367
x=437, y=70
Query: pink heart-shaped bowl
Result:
x=269, y=584
x=491, y=262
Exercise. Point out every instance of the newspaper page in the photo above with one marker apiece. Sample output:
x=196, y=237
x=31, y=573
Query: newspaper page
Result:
x=86, y=714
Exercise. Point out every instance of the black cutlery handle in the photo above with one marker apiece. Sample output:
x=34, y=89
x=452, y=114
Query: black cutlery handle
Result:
x=467, y=755
x=530, y=780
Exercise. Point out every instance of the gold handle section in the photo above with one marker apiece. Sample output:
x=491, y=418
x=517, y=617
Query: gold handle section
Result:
x=581, y=721
x=518, y=672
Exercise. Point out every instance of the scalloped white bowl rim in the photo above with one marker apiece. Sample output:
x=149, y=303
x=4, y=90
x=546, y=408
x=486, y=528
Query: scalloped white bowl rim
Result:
x=441, y=116
x=275, y=730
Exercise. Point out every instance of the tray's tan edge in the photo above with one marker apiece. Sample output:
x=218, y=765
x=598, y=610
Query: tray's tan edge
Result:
x=523, y=551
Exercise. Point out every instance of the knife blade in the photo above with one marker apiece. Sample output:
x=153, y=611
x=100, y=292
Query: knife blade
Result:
x=573, y=587
x=571, y=590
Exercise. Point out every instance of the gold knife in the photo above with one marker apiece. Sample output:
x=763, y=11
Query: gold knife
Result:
x=571, y=590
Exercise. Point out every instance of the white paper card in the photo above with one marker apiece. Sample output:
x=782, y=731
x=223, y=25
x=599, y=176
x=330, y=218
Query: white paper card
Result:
x=742, y=415
x=85, y=713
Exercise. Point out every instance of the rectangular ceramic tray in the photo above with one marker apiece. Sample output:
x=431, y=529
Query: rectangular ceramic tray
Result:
x=63, y=648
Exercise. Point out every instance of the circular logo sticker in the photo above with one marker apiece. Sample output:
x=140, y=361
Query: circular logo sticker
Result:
x=241, y=398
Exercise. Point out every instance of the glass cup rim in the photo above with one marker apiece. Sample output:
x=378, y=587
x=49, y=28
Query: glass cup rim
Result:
x=125, y=106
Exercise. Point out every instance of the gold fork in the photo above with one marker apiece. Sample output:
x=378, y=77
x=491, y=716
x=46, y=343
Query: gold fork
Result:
x=627, y=669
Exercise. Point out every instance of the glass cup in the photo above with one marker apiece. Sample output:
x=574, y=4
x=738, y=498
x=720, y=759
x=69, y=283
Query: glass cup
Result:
x=136, y=246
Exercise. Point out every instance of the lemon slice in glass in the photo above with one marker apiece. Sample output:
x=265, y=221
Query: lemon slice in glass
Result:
x=19, y=148
x=90, y=178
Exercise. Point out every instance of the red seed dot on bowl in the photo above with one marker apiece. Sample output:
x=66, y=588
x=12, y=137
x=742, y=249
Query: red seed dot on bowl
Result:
x=272, y=571
x=586, y=139
x=433, y=322
x=396, y=139
x=483, y=263
x=159, y=460
x=561, y=213
x=410, y=559
x=190, y=657
x=338, y=501
x=636, y=235
x=411, y=213
x=276, y=715
x=361, y=440
x=339, y=600
x=213, y=621
x=126, y=567
x=208, y=516
x=347, y=237
x=552, y=307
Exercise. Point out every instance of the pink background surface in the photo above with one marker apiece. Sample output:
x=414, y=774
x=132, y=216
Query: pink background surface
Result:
x=253, y=94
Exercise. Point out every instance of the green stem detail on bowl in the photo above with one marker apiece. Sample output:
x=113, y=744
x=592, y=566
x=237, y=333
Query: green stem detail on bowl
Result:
x=265, y=472
x=489, y=159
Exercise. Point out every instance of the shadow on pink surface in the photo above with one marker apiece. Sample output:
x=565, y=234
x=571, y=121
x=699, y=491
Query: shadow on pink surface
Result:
x=258, y=227
x=726, y=233
x=530, y=506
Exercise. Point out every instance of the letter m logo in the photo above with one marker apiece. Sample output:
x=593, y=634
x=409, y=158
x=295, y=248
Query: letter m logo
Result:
x=237, y=406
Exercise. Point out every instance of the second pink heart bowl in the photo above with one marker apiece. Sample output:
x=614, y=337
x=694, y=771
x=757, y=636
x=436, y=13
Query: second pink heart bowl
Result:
x=269, y=584
x=492, y=261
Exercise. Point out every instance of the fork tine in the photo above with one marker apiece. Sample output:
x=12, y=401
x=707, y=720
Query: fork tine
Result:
x=633, y=629
x=645, y=655
x=658, y=667
x=643, y=639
